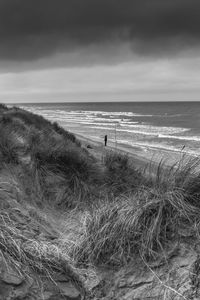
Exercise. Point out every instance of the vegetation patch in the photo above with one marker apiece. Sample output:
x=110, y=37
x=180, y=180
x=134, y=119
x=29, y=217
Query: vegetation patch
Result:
x=120, y=213
x=145, y=223
x=121, y=176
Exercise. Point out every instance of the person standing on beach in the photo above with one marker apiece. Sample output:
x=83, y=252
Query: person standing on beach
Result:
x=105, y=140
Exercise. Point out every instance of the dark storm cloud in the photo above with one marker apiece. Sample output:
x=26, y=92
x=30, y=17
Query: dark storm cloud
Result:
x=32, y=29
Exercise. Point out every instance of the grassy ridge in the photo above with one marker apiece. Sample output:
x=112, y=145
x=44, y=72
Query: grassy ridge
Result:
x=38, y=172
x=125, y=213
x=50, y=153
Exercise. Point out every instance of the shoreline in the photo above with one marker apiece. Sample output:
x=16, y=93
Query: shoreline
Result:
x=140, y=158
x=146, y=153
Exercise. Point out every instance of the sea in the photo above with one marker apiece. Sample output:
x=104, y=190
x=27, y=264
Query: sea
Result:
x=160, y=126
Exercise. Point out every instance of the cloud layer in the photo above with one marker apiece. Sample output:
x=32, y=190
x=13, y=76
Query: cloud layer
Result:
x=32, y=29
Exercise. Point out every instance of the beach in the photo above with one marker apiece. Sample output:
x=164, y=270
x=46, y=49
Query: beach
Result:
x=146, y=131
x=139, y=158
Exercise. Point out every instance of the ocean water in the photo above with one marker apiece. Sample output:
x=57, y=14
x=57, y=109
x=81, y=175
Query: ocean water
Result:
x=161, y=126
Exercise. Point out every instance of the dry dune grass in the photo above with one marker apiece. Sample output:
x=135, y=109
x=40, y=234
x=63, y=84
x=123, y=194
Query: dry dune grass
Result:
x=114, y=212
x=21, y=246
x=147, y=222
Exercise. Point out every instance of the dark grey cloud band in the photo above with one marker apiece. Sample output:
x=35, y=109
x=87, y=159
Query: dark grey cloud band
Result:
x=31, y=29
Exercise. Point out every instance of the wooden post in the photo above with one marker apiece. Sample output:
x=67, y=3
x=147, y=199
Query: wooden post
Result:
x=102, y=153
x=116, y=135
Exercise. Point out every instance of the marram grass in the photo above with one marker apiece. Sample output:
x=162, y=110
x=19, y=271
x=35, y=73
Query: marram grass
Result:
x=145, y=223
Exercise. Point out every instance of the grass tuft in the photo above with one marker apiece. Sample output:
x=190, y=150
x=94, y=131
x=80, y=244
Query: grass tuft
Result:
x=145, y=223
x=121, y=176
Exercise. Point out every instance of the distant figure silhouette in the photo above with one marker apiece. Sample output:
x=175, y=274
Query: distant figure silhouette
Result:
x=183, y=147
x=105, y=139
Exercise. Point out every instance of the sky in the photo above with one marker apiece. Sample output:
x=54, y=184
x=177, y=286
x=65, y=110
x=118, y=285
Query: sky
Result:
x=99, y=50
